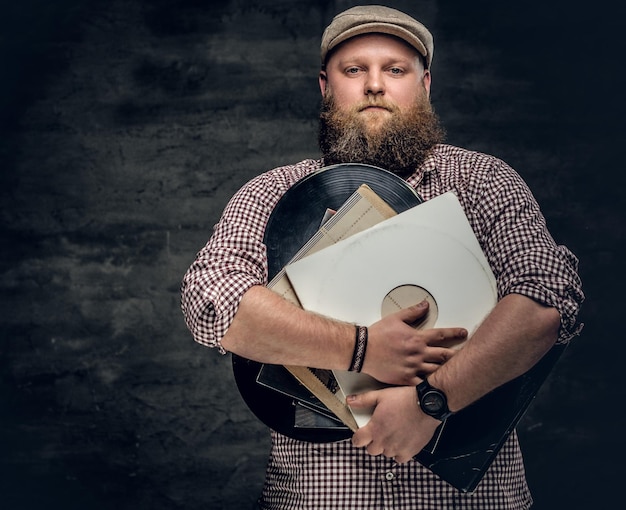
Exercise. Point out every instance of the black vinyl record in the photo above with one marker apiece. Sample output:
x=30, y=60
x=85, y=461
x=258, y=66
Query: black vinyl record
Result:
x=295, y=219
x=299, y=212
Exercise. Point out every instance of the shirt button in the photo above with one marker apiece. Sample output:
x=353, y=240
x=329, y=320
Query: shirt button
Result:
x=389, y=476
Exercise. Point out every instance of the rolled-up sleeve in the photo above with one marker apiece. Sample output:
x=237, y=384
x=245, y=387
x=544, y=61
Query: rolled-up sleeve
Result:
x=524, y=256
x=234, y=259
x=230, y=263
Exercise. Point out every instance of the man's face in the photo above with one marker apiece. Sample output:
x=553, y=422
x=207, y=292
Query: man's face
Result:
x=376, y=108
x=374, y=74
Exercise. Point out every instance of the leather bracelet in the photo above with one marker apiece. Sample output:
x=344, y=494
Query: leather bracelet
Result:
x=360, y=346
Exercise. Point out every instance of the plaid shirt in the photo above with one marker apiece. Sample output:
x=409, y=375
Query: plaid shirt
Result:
x=524, y=258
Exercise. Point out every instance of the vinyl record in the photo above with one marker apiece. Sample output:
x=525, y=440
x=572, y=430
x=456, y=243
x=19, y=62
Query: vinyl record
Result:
x=294, y=220
x=298, y=214
x=351, y=279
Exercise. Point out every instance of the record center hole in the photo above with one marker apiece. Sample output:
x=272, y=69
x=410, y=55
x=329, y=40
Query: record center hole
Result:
x=409, y=295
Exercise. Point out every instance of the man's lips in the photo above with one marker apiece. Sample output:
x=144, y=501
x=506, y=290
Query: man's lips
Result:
x=375, y=108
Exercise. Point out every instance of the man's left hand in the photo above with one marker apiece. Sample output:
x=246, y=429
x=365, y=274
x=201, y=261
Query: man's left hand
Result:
x=398, y=428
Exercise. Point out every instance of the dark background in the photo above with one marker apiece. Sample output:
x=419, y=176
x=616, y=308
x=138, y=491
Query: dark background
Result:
x=127, y=125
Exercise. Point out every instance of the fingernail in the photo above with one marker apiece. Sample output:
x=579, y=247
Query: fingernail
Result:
x=351, y=398
x=422, y=304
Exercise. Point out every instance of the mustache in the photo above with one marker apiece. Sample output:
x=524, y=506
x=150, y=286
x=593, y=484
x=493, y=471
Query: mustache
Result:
x=378, y=102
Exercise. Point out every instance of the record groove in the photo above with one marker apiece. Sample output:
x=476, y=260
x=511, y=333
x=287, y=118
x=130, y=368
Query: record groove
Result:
x=298, y=213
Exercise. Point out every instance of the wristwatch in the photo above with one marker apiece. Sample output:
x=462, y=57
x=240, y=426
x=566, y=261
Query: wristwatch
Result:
x=433, y=401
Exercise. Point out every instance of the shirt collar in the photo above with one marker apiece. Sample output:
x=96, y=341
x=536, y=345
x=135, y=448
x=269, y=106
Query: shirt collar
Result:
x=429, y=165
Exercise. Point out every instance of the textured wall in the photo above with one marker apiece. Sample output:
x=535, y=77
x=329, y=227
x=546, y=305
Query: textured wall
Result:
x=127, y=125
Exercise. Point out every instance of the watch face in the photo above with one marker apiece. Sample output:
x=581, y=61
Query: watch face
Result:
x=433, y=402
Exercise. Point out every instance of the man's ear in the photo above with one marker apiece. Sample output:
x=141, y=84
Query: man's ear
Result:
x=323, y=81
x=427, y=80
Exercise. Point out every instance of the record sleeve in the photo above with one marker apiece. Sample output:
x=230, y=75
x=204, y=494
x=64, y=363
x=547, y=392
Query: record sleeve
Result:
x=431, y=247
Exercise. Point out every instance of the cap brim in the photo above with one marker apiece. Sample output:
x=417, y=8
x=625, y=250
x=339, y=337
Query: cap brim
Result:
x=381, y=28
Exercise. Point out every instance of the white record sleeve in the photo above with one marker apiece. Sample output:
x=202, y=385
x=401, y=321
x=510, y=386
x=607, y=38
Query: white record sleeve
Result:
x=431, y=246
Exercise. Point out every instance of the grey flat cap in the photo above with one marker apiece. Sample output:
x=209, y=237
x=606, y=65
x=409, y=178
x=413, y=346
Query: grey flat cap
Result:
x=368, y=19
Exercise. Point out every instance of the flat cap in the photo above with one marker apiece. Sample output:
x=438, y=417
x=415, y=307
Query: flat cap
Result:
x=368, y=19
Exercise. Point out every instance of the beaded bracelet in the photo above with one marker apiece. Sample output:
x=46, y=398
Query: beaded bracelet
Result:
x=360, y=346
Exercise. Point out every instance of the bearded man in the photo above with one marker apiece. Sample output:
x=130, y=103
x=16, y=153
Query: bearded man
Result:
x=375, y=82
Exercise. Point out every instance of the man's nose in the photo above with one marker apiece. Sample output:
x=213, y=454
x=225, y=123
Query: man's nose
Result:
x=374, y=83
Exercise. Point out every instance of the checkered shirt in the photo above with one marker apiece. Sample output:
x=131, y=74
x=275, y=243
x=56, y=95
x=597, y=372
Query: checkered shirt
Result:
x=338, y=476
x=525, y=260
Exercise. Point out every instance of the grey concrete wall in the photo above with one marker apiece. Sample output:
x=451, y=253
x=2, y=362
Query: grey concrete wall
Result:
x=127, y=125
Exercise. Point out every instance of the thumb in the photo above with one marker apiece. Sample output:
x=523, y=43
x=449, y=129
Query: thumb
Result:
x=413, y=313
x=362, y=400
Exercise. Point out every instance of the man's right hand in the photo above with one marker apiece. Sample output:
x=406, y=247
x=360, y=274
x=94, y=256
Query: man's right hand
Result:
x=399, y=354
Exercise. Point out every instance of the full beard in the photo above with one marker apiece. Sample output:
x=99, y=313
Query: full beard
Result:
x=399, y=144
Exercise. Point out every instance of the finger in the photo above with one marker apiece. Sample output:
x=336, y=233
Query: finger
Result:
x=367, y=399
x=374, y=449
x=438, y=355
x=425, y=369
x=446, y=337
x=361, y=437
x=413, y=313
x=402, y=459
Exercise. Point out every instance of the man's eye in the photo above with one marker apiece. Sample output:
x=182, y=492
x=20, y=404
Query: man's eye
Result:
x=352, y=70
x=395, y=70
